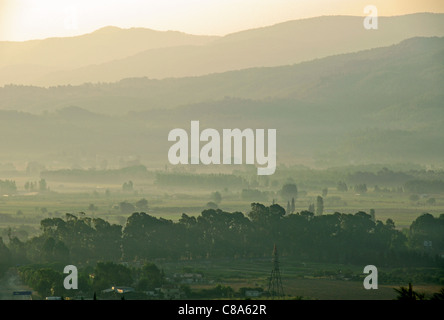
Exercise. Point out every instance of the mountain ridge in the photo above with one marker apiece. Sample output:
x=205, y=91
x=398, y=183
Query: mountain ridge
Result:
x=292, y=81
x=377, y=105
x=314, y=38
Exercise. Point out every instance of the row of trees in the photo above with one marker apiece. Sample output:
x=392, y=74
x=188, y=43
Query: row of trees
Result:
x=36, y=186
x=47, y=279
x=202, y=180
x=341, y=238
x=424, y=186
x=104, y=175
x=7, y=187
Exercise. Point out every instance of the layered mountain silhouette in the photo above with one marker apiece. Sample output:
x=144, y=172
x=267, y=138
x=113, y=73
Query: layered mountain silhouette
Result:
x=374, y=106
x=111, y=54
x=27, y=62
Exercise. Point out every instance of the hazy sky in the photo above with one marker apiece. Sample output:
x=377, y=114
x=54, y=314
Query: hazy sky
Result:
x=35, y=19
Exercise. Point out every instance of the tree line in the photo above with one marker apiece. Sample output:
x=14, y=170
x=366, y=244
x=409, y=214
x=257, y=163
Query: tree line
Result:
x=47, y=279
x=7, y=187
x=334, y=238
x=202, y=180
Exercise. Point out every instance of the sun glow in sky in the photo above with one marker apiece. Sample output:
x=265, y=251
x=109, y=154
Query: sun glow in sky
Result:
x=36, y=19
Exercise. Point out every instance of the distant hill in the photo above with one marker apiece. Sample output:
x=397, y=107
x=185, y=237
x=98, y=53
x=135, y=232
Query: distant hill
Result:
x=111, y=54
x=24, y=62
x=365, y=81
x=375, y=106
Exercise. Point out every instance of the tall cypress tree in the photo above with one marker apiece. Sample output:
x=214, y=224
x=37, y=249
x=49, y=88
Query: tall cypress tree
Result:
x=319, y=205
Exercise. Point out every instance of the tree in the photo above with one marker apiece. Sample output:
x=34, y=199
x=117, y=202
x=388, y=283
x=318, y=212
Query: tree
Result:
x=361, y=188
x=106, y=240
x=145, y=236
x=373, y=215
x=126, y=207
x=107, y=274
x=288, y=191
x=5, y=257
x=311, y=208
x=438, y=295
x=293, y=206
x=216, y=197
x=267, y=218
x=405, y=294
x=46, y=281
x=142, y=205
x=92, y=207
x=54, y=250
x=151, y=276
x=42, y=185
x=211, y=205
x=7, y=187
x=342, y=186
x=431, y=201
x=324, y=192
x=128, y=186
x=427, y=228
x=142, y=284
x=319, y=206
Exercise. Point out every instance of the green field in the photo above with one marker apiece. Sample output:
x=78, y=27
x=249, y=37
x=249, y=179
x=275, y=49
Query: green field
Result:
x=23, y=211
x=301, y=280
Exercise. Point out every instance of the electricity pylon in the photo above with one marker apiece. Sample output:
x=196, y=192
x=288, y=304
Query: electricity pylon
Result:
x=275, y=288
